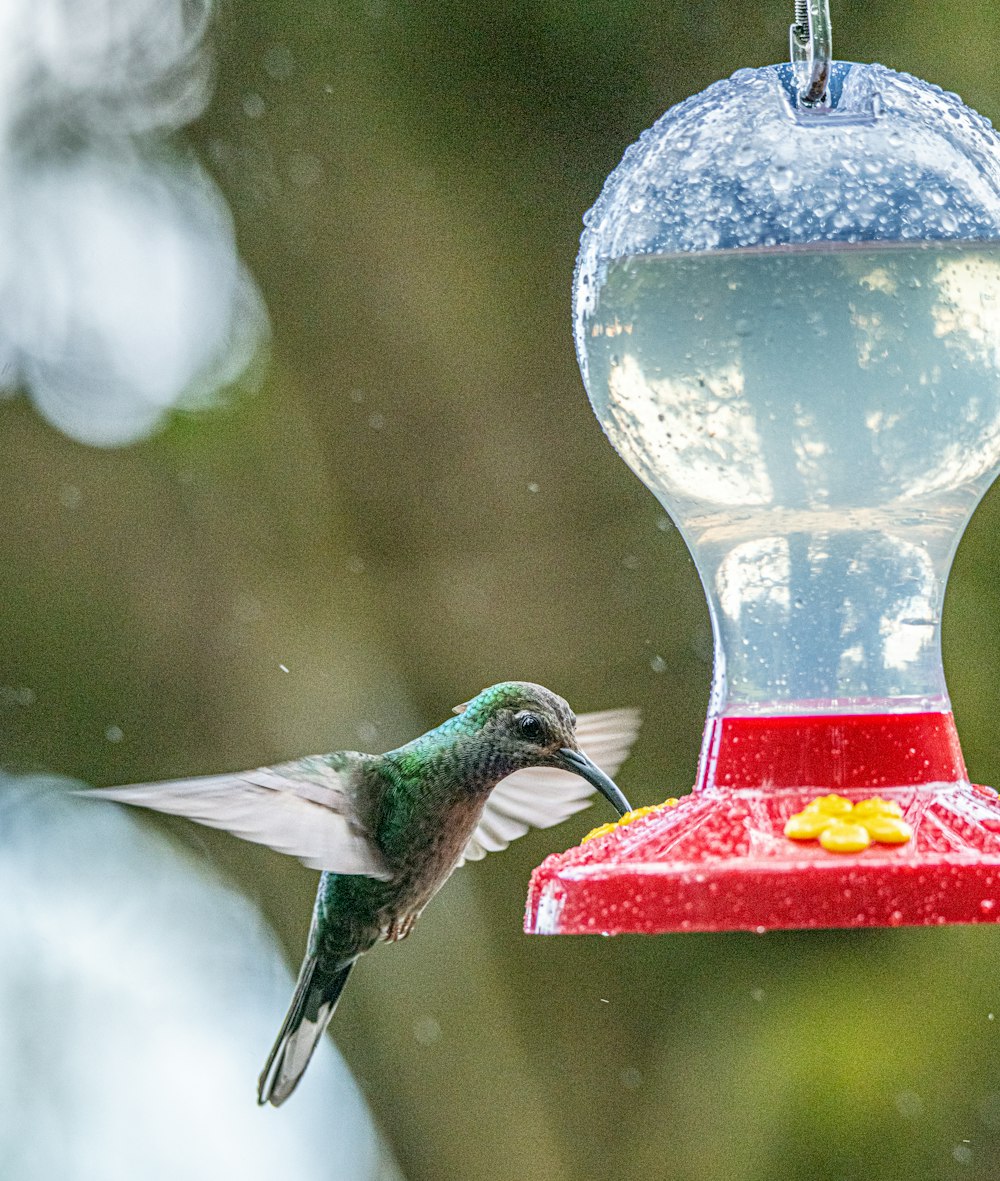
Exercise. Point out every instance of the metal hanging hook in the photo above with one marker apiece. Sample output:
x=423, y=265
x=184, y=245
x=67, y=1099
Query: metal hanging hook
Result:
x=810, y=41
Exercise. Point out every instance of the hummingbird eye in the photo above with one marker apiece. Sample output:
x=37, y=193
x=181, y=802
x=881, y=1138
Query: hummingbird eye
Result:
x=530, y=727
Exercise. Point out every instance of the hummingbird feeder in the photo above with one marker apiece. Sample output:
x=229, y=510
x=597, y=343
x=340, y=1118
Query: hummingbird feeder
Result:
x=787, y=316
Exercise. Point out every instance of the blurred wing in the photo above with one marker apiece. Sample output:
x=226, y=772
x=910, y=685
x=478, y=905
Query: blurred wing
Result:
x=539, y=797
x=302, y=808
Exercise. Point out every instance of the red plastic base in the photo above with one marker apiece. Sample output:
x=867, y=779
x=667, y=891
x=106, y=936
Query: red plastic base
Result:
x=719, y=860
x=837, y=751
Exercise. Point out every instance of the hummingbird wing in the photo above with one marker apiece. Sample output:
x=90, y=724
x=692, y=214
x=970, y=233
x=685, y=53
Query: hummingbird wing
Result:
x=303, y=808
x=539, y=797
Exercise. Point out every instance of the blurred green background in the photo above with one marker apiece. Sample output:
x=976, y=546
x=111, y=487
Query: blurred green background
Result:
x=417, y=502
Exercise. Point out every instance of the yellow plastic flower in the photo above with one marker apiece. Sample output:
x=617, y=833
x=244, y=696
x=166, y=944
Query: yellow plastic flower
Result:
x=843, y=827
x=603, y=829
x=845, y=838
x=877, y=807
x=888, y=830
x=831, y=805
x=806, y=825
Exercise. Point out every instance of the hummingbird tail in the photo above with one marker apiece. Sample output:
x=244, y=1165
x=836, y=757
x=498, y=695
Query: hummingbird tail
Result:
x=308, y=1016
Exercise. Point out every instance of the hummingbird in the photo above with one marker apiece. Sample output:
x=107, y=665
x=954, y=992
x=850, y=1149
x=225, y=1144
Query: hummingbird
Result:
x=388, y=830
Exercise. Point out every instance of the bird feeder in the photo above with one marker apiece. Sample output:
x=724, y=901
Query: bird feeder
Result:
x=787, y=316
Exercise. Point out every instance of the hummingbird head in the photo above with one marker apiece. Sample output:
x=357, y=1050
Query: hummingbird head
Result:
x=527, y=725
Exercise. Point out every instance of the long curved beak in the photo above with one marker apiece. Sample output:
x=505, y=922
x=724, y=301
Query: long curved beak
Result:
x=577, y=762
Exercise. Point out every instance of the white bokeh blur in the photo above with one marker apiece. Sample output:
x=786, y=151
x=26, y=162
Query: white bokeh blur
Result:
x=138, y=999
x=122, y=294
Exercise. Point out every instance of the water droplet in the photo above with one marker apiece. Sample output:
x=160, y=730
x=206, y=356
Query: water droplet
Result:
x=304, y=169
x=657, y=664
x=114, y=734
x=278, y=62
x=426, y=1031
x=909, y=1105
x=253, y=106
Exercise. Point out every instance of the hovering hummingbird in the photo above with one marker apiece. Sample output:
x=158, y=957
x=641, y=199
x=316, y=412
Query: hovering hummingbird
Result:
x=388, y=830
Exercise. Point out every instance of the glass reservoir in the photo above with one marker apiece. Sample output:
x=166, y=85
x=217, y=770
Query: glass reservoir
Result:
x=787, y=321
x=820, y=421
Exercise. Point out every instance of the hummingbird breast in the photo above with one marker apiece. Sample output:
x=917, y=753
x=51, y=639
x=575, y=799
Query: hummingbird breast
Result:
x=427, y=799
x=428, y=858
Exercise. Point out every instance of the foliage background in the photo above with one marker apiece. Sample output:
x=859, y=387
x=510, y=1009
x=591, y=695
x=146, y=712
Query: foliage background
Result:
x=417, y=502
